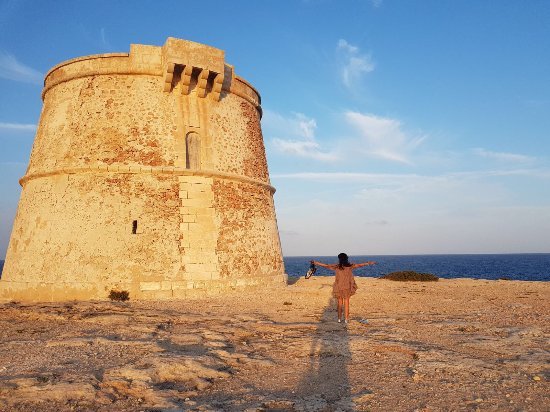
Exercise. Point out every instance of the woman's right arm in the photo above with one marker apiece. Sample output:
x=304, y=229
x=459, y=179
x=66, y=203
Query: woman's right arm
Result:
x=323, y=265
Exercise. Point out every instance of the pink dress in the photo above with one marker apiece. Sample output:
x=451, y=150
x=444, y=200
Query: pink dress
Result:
x=344, y=283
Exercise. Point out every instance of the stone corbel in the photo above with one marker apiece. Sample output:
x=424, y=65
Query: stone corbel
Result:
x=201, y=82
x=186, y=79
x=217, y=87
x=169, y=76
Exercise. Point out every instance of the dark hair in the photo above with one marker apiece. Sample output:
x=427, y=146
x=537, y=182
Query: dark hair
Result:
x=343, y=260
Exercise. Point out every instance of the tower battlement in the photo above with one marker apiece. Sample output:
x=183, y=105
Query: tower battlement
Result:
x=192, y=64
x=147, y=174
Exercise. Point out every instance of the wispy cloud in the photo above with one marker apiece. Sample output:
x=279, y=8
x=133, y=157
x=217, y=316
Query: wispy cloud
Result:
x=22, y=127
x=540, y=173
x=378, y=178
x=374, y=136
x=383, y=137
x=12, y=69
x=296, y=124
x=409, y=179
x=503, y=157
x=354, y=64
x=105, y=44
x=376, y=3
x=299, y=132
x=303, y=148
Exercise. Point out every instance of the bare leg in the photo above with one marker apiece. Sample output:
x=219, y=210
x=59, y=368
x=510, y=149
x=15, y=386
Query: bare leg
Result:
x=340, y=303
x=346, y=308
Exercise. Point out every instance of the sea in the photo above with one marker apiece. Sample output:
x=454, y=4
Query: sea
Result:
x=520, y=266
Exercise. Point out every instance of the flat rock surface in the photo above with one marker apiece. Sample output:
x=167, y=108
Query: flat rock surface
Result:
x=452, y=345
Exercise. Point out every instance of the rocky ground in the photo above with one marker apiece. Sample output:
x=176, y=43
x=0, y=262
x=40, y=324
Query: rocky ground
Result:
x=452, y=345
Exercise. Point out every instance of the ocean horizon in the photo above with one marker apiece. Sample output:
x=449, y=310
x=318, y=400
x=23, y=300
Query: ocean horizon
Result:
x=511, y=266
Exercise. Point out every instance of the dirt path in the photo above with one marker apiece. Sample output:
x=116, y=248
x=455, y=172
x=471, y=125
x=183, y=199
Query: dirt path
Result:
x=451, y=345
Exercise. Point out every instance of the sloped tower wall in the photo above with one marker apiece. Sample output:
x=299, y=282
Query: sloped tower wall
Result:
x=147, y=174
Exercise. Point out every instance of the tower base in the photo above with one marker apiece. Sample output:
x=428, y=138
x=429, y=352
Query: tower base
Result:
x=150, y=290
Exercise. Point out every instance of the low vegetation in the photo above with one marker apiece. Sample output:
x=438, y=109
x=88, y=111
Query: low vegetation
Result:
x=119, y=295
x=410, y=276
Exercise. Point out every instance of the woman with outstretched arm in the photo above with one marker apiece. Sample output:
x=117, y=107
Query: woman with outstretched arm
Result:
x=344, y=283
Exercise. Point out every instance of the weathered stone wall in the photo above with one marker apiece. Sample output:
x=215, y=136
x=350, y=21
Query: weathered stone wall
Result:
x=239, y=145
x=105, y=120
x=148, y=174
x=248, y=241
x=78, y=234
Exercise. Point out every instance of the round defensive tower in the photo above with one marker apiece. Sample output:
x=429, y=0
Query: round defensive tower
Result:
x=148, y=174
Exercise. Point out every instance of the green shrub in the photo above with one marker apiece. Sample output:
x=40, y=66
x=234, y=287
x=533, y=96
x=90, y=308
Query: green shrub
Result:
x=410, y=276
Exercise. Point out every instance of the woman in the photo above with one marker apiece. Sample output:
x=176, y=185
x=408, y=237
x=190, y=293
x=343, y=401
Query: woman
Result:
x=344, y=283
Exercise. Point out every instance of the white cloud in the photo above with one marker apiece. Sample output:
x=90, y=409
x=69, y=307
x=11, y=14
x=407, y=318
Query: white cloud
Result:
x=354, y=63
x=378, y=137
x=299, y=132
x=105, y=43
x=540, y=173
x=12, y=69
x=386, y=188
x=297, y=124
x=410, y=180
x=342, y=176
x=307, y=126
x=383, y=137
x=303, y=148
x=23, y=127
x=503, y=157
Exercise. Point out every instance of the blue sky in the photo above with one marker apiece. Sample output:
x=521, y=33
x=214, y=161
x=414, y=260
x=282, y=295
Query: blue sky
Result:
x=391, y=127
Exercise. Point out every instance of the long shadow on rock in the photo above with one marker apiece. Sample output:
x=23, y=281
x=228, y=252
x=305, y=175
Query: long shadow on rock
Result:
x=325, y=385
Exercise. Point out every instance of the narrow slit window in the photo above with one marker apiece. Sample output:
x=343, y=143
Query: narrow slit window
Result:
x=193, y=151
x=134, y=227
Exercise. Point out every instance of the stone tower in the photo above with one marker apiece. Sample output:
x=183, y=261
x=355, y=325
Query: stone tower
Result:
x=147, y=174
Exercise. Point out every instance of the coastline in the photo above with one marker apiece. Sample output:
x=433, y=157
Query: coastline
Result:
x=448, y=345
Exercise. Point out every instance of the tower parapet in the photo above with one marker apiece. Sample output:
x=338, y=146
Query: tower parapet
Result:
x=148, y=174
